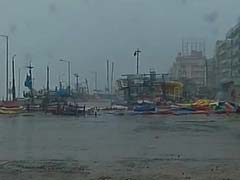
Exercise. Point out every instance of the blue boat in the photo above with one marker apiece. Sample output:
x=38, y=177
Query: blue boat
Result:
x=144, y=106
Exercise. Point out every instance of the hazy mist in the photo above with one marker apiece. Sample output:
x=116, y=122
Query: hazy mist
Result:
x=88, y=32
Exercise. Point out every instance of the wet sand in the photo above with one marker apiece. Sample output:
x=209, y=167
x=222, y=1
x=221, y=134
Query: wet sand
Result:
x=120, y=147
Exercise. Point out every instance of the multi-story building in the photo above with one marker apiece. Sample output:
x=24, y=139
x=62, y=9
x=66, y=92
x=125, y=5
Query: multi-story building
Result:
x=233, y=36
x=191, y=71
x=228, y=65
x=191, y=67
x=223, y=62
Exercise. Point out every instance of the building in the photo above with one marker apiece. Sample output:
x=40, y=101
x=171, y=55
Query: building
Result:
x=223, y=62
x=228, y=65
x=191, y=71
x=223, y=75
x=154, y=87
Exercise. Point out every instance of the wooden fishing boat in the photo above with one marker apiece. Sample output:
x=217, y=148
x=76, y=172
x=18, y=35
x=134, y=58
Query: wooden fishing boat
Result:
x=10, y=108
x=8, y=112
x=20, y=108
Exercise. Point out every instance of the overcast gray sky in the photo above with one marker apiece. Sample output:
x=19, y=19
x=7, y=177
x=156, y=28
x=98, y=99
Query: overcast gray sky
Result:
x=87, y=32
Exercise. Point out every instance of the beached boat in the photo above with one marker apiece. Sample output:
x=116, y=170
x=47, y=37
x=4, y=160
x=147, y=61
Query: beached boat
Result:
x=70, y=110
x=9, y=112
x=19, y=108
x=10, y=108
x=73, y=109
x=224, y=107
x=188, y=111
x=144, y=106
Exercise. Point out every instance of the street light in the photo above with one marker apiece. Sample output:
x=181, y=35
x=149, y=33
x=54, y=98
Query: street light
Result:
x=77, y=81
x=13, y=78
x=5, y=36
x=137, y=53
x=69, y=74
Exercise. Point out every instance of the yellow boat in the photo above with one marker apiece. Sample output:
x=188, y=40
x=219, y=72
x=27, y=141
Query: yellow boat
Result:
x=185, y=105
x=9, y=112
x=201, y=103
x=20, y=108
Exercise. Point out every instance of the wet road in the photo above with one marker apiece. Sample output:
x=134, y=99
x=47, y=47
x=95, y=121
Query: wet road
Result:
x=193, y=141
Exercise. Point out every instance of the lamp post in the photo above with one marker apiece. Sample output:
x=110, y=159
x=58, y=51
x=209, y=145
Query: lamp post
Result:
x=7, y=54
x=13, y=78
x=77, y=82
x=137, y=54
x=69, y=74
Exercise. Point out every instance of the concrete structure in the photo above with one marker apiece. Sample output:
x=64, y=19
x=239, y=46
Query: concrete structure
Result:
x=233, y=36
x=228, y=65
x=223, y=58
x=154, y=87
x=191, y=71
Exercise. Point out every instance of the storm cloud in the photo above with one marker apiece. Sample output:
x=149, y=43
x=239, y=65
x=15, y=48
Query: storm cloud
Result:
x=87, y=32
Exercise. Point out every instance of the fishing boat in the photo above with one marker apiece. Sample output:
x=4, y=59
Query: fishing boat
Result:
x=10, y=108
x=9, y=112
x=144, y=106
x=188, y=111
x=73, y=109
x=224, y=107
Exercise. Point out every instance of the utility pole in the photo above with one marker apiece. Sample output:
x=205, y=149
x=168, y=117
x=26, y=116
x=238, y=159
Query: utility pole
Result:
x=13, y=79
x=137, y=54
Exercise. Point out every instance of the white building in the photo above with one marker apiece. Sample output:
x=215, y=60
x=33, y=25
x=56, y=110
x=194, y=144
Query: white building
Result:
x=190, y=67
